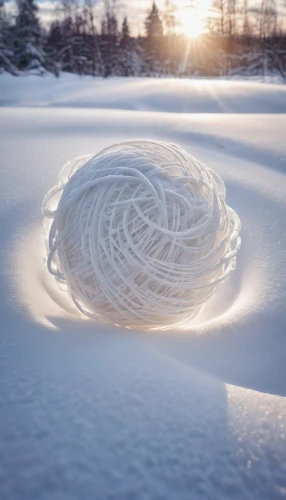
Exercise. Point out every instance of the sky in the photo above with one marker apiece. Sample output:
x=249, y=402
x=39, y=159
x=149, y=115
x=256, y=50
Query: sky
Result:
x=136, y=11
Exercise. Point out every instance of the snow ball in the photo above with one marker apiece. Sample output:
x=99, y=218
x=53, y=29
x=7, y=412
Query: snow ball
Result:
x=140, y=234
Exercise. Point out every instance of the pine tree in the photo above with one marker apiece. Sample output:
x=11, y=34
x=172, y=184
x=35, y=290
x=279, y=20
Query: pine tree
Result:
x=155, y=46
x=28, y=42
x=125, y=33
x=126, y=52
x=6, y=43
x=55, y=48
x=153, y=23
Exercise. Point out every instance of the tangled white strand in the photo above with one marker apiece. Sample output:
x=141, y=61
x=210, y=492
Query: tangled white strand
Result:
x=140, y=234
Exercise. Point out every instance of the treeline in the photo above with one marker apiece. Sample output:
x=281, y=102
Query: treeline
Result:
x=239, y=39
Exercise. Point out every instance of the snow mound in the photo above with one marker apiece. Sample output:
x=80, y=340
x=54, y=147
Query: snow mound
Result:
x=144, y=94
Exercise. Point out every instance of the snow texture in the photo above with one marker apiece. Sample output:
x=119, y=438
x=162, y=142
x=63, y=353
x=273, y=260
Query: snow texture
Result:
x=145, y=94
x=98, y=412
x=141, y=235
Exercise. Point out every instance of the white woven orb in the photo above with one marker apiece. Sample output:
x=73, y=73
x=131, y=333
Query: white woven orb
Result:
x=140, y=234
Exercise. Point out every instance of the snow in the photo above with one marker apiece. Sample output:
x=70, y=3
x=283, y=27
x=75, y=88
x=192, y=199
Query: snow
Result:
x=94, y=411
x=145, y=94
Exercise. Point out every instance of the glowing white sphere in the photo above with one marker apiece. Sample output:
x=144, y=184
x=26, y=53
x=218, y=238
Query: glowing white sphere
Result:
x=141, y=234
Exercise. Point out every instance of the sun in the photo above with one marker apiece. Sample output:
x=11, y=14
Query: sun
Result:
x=192, y=25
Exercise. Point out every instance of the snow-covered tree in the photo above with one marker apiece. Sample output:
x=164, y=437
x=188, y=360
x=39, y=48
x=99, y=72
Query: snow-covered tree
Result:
x=28, y=39
x=92, y=39
x=6, y=43
x=125, y=33
x=127, y=54
x=110, y=40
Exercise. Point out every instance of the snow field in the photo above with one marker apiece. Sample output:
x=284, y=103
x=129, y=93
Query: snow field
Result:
x=93, y=411
x=144, y=94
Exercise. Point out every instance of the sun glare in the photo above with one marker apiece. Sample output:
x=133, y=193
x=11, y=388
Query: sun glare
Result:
x=192, y=26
